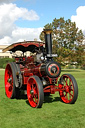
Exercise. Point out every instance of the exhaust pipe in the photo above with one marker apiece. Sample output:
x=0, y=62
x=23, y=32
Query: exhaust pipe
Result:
x=48, y=42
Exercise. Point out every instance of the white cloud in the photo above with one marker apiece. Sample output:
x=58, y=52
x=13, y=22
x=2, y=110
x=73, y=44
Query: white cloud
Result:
x=12, y=12
x=21, y=34
x=9, y=32
x=79, y=18
x=5, y=40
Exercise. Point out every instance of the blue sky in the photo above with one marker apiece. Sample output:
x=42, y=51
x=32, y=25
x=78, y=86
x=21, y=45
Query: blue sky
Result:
x=47, y=10
x=24, y=19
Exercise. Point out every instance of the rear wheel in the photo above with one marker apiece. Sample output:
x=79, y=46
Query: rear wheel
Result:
x=69, y=88
x=10, y=81
x=35, y=92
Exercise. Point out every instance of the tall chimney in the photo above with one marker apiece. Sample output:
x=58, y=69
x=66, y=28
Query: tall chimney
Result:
x=48, y=42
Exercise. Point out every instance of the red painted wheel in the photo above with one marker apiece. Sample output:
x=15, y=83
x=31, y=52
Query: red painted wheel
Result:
x=35, y=92
x=11, y=81
x=69, y=88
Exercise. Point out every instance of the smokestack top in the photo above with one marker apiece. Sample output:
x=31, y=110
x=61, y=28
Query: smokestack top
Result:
x=47, y=31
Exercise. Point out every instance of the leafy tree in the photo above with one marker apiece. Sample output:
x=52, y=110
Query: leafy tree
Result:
x=80, y=58
x=67, y=40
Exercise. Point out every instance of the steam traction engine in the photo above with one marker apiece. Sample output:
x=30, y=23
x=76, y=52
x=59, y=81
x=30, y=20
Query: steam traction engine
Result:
x=38, y=73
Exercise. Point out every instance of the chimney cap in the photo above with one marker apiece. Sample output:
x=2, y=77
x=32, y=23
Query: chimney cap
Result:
x=47, y=31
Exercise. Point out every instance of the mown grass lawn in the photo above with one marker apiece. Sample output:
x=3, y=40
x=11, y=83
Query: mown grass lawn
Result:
x=53, y=114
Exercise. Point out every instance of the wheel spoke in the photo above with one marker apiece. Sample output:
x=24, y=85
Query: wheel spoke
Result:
x=36, y=98
x=66, y=81
x=70, y=82
x=32, y=87
x=71, y=94
x=66, y=96
x=71, y=88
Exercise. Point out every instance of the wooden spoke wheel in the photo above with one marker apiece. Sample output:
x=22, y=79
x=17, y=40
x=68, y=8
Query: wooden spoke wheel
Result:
x=10, y=81
x=69, y=89
x=35, y=92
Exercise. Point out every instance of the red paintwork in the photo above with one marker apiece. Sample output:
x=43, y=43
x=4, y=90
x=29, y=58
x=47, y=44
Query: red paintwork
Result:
x=8, y=85
x=49, y=69
x=28, y=43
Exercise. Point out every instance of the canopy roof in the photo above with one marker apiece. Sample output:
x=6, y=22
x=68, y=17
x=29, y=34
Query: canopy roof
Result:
x=24, y=46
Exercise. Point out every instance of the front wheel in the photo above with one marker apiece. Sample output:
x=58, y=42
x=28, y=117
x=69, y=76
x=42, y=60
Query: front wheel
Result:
x=35, y=92
x=68, y=88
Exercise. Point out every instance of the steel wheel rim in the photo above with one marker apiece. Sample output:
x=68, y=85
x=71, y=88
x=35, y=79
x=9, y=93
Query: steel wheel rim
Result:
x=8, y=81
x=32, y=92
x=68, y=93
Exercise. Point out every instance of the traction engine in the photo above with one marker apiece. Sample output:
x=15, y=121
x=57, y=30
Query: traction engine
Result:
x=38, y=73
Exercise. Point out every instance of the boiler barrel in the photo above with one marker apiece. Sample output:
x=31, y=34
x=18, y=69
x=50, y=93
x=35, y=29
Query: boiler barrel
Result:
x=51, y=69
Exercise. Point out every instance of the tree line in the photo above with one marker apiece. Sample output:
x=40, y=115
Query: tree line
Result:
x=67, y=41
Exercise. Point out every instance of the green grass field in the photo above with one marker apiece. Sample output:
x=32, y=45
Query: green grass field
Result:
x=53, y=114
